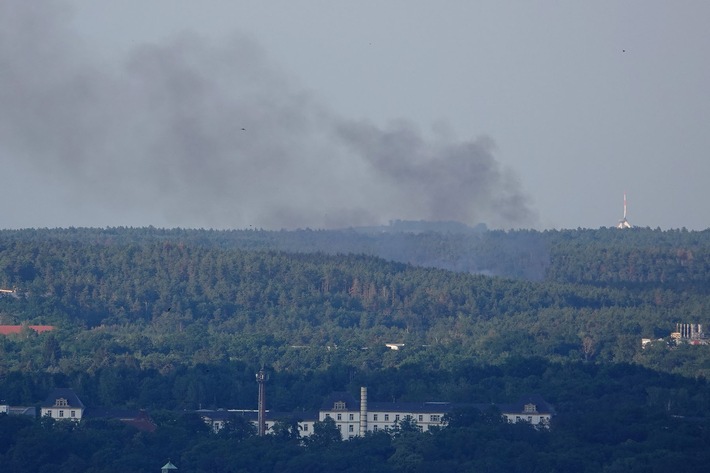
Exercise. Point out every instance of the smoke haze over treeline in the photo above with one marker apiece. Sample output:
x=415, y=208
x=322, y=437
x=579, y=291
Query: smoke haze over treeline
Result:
x=193, y=133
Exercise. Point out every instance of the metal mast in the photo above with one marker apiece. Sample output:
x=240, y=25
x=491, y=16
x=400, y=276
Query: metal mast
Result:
x=261, y=378
x=623, y=223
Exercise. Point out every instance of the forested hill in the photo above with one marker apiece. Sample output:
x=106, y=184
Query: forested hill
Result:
x=607, y=255
x=169, y=297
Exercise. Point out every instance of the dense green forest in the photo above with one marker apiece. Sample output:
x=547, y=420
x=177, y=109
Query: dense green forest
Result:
x=172, y=320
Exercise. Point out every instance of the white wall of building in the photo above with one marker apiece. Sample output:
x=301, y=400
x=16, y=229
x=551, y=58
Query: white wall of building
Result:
x=63, y=413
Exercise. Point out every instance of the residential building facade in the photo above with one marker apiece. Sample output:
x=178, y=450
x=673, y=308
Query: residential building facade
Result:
x=63, y=404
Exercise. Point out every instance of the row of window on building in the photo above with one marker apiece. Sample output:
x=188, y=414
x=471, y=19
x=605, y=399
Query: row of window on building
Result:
x=386, y=417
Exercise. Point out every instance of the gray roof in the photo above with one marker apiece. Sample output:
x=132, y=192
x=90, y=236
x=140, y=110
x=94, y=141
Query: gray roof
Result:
x=111, y=413
x=301, y=416
x=63, y=393
x=22, y=410
x=351, y=404
x=413, y=407
x=541, y=406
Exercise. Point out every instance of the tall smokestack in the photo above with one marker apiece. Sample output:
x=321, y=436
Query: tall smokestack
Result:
x=363, y=411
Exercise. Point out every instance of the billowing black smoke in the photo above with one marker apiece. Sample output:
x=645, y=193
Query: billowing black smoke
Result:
x=194, y=134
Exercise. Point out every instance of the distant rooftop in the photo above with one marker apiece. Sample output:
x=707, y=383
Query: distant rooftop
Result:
x=67, y=395
x=14, y=329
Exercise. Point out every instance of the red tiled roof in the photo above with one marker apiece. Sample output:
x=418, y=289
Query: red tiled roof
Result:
x=10, y=329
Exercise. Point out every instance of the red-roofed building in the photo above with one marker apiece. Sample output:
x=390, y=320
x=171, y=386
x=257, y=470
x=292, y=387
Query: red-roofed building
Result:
x=133, y=417
x=15, y=329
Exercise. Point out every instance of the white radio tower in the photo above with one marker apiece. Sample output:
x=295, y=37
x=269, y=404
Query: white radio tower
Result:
x=623, y=223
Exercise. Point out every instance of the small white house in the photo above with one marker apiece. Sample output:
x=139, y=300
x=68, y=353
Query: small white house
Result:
x=63, y=404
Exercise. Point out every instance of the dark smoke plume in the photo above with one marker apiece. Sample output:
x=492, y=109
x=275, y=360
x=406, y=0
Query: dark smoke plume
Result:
x=194, y=134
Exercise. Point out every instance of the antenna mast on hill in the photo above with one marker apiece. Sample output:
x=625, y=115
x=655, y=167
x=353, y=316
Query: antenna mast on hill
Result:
x=623, y=223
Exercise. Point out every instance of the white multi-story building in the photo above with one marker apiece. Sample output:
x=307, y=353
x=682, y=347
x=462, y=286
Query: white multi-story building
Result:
x=532, y=409
x=355, y=418
x=63, y=404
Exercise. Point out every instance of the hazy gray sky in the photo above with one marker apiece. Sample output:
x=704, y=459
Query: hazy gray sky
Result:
x=283, y=114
